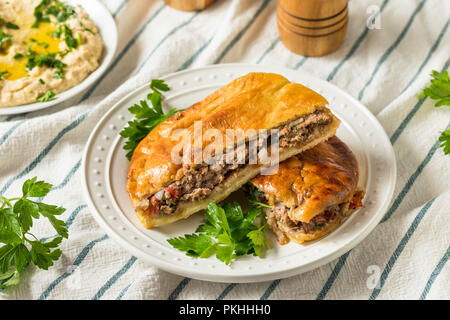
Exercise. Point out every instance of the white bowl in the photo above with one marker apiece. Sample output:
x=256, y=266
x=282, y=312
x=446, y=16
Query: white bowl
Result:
x=107, y=27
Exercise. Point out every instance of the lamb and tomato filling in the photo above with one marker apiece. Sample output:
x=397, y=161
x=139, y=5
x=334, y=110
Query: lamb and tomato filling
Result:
x=277, y=216
x=200, y=180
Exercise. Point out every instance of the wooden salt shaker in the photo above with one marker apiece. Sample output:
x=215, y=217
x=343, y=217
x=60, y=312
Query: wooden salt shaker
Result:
x=189, y=5
x=312, y=27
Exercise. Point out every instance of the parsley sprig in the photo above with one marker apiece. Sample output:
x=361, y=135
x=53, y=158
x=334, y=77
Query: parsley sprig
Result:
x=445, y=139
x=147, y=118
x=227, y=232
x=440, y=90
x=20, y=246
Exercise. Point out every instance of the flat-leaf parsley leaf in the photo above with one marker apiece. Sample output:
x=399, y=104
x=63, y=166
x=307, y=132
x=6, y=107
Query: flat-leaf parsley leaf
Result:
x=445, y=139
x=20, y=246
x=227, y=232
x=439, y=88
x=147, y=118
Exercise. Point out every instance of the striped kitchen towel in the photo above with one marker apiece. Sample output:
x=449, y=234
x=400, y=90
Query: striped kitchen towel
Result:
x=384, y=67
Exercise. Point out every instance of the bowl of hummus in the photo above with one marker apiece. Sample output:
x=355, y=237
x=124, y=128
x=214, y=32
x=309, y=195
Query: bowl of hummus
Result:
x=51, y=50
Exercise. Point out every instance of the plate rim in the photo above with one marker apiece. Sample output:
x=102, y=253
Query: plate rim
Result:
x=262, y=276
x=83, y=85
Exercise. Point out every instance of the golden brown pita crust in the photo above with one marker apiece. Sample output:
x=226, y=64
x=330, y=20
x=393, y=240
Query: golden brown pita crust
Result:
x=309, y=182
x=254, y=101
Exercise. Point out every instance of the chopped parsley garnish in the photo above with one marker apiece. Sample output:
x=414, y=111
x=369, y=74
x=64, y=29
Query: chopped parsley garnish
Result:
x=48, y=60
x=147, y=118
x=227, y=232
x=18, y=56
x=59, y=74
x=57, y=34
x=48, y=96
x=55, y=8
x=2, y=73
x=11, y=25
x=8, y=24
x=79, y=39
x=20, y=247
x=4, y=38
x=89, y=30
x=41, y=81
x=69, y=39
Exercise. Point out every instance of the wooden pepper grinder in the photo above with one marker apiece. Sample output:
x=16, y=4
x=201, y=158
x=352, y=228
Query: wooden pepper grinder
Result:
x=189, y=5
x=312, y=27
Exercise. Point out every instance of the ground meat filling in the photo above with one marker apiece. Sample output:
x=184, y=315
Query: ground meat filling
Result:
x=278, y=217
x=200, y=180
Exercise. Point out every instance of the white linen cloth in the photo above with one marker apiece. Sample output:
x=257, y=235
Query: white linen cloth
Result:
x=385, y=68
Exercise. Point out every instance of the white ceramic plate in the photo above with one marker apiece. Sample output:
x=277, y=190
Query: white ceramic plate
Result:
x=107, y=27
x=105, y=170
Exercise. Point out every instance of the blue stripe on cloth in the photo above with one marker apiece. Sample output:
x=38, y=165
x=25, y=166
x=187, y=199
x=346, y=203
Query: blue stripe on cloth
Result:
x=195, y=55
x=270, y=48
x=435, y=274
x=270, y=289
x=430, y=53
x=114, y=278
x=411, y=114
x=44, y=152
x=76, y=263
x=65, y=180
x=409, y=183
x=391, y=48
x=355, y=45
x=68, y=177
x=176, y=292
x=226, y=291
x=119, y=57
x=74, y=214
x=300, y=63
x=10, y=131
x=167, y=36
x=334, y=274
x=242, y=32
x=121, y=6
x=401, y=246
x=122, y=293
